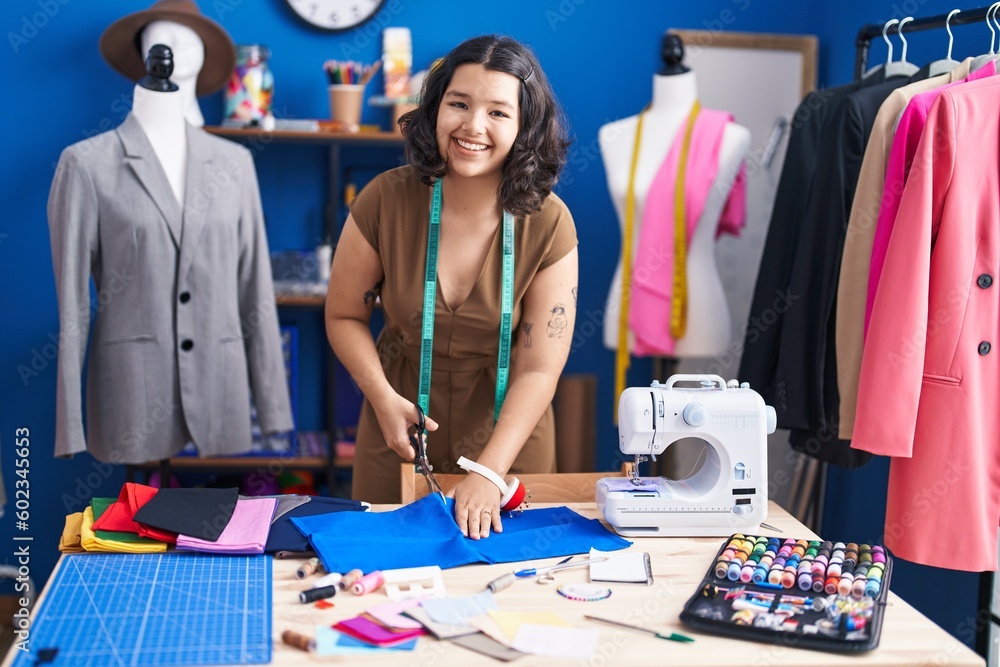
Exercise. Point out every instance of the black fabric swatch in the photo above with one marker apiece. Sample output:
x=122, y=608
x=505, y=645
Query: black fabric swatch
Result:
x=202, y=513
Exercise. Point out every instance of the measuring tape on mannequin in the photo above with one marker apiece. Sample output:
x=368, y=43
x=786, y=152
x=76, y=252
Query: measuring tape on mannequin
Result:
x=430, y=301
x=678, y=306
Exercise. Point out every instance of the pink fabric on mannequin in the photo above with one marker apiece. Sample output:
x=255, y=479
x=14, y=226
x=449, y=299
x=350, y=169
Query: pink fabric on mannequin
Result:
x=652, y=277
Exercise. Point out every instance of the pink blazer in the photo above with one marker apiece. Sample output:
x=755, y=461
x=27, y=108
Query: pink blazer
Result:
x=930, y=375
x=904, y=146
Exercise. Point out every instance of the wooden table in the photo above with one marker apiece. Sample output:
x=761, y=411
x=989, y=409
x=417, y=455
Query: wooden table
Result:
x=908, y=637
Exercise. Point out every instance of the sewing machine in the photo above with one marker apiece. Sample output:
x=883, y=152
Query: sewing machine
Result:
x=726, y=494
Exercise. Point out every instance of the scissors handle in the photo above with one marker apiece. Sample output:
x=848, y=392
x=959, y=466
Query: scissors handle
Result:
x=559, y=566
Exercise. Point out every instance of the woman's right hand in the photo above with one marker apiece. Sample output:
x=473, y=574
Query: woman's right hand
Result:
x=395, y=416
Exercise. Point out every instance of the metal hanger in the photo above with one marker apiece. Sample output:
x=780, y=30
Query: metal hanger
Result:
x=885, y=36
x=980, y=61
x=900, y=67
x=944, y=66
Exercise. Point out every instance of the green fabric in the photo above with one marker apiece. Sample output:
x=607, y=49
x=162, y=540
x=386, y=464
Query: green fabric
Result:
x=100, y=505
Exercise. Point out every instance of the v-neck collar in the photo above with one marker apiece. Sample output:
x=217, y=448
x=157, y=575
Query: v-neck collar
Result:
x=479, y=279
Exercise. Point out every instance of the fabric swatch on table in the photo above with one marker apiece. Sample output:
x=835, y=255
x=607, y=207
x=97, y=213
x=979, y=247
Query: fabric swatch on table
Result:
x=331, y=642
x=439, y=630
x=371, y=632
x=91, y=542
x=246, y=532
x=486, y=645
x=100, y=507
x=456, y=610
x=69, y=541
x=286, y=503
x=285, y=537
x=120, y=516
x=201, y=513
x=425, y=533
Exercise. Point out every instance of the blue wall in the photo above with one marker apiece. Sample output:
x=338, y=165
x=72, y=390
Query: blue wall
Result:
x=60, y=91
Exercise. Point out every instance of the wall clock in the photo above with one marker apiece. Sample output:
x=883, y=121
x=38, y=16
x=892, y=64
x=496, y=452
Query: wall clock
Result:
x=335, y=15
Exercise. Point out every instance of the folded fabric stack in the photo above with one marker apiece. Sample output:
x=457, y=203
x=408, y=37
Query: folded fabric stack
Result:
x=246, y=532
x=144, y=519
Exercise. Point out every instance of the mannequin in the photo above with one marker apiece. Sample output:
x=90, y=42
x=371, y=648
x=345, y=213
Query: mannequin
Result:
x=161, y=116
x=167, y=221
x=189, y=57
x=709, y=324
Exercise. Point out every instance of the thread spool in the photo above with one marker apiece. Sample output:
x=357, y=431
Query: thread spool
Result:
x=369, y=583
x=308, y=568
x=348, y=580
x=298, y=641
x=331, y=579
x=314, y=594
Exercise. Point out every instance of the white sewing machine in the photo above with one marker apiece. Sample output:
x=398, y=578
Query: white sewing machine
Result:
x=726, y=494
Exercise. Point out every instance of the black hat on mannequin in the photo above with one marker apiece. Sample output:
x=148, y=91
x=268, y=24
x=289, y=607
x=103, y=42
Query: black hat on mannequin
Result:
x=120, y=43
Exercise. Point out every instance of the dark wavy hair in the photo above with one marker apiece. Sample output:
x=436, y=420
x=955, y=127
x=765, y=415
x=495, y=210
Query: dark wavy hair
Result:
x=539, y=151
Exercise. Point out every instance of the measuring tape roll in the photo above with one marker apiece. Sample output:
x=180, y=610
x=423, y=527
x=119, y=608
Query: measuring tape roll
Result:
x=512, y=495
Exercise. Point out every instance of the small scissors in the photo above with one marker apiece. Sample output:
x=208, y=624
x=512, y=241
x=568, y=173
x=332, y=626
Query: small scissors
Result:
x=545, y=574
x=420, y=461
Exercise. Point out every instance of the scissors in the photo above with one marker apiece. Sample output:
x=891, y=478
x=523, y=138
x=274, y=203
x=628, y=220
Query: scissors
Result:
x=545, y=574
x=420, y=461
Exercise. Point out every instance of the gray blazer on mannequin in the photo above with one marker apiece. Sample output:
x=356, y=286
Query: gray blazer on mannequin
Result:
x=185, y=319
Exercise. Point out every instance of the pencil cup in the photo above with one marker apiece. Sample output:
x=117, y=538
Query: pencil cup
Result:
x=345, y=102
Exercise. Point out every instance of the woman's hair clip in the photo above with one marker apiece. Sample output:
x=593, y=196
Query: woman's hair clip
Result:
x=528, y=75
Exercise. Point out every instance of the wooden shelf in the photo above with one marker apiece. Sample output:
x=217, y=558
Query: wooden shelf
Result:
x=249, y=462
x=301, y=300
x=387, y=138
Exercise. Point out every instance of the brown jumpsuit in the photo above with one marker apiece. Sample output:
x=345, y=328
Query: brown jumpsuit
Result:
x=392, y=213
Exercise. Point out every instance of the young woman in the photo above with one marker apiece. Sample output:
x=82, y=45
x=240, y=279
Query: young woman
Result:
x=487, y=143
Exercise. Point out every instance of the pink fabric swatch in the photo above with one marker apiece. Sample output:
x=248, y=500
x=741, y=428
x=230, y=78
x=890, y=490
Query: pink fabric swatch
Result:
x=373, y=633
x=652, y=277
x=246, y=532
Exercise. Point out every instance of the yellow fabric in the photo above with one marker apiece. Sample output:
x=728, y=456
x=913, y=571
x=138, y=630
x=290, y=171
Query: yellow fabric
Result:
x=622, y=357
x=92, y=543
x=678, y=306
x=69, y=542
x=509, y=621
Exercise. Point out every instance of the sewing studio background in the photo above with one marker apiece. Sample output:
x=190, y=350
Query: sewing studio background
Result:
x=600, y=58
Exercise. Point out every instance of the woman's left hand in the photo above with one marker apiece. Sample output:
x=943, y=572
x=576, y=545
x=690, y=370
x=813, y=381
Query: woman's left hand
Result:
x=477, y=506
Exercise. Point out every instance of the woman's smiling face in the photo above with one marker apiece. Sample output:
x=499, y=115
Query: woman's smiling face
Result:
x=477, y=121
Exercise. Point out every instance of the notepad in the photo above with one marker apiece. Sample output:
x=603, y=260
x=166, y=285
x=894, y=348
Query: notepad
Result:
x=630, y=567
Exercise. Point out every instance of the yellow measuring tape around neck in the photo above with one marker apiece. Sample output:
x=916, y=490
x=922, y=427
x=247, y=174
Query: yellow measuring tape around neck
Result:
x=679, y=303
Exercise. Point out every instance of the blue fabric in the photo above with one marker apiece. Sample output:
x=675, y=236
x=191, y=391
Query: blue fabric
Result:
x=544, y=533
x=284, y=536
x=425, y=533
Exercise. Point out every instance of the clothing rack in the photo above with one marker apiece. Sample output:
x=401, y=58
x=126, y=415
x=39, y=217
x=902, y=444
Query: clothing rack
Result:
x=873, y=30
x=866, y=34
